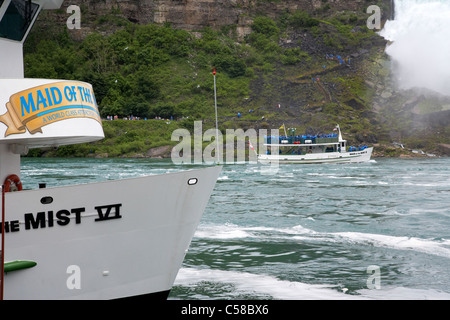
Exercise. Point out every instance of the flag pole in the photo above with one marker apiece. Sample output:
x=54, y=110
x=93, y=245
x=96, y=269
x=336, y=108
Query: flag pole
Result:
x=284, y=129
x=217, y=126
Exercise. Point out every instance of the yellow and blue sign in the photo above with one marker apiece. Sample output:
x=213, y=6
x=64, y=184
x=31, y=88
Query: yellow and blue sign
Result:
x=39, y=106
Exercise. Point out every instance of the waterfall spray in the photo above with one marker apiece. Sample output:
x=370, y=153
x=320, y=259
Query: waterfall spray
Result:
x=420, y=46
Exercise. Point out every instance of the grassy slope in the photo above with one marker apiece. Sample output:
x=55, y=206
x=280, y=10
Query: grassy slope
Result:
x=156, y=70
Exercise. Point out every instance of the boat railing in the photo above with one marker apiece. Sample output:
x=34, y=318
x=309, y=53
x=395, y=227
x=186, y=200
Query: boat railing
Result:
x=359, y=148
x=303, y=139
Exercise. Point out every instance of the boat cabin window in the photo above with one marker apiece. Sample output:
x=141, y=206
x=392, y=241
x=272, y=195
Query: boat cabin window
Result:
x=17, y=18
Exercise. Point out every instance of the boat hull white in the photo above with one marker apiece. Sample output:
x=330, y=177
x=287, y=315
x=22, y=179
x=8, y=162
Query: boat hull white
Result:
x=106, y=240
x=329, y=157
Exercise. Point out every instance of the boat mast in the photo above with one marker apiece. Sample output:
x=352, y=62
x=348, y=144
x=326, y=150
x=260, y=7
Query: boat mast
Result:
x=339, y=131
x=217, y=126
x=342, y=144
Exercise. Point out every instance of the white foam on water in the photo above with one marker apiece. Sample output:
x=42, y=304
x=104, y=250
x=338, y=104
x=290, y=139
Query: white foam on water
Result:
x=439, y=248
x=259, y=284
x=245, y=283
x=402, y=293
x=299, y=233
x=225, y=231
x=230, y=231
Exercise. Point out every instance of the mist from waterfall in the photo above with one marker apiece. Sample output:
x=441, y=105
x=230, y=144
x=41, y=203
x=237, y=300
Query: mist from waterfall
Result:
x=420, y=48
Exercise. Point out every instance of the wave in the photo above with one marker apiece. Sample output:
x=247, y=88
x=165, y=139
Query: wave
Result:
x=262, y=286
x=438, y=247
x=258, y=285
x=429, y=246
x=226, y=231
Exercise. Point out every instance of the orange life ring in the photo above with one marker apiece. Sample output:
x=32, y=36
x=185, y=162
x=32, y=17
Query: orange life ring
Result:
x=12, y=179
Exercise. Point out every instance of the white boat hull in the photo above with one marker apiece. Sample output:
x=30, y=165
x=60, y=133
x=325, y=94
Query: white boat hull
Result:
x=328, y=157
x=123, y=238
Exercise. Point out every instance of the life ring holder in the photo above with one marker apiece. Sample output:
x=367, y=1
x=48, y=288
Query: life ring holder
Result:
x=12, y=178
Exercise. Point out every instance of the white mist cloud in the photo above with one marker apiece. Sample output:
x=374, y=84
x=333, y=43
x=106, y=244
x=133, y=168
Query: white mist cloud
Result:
x=420, y=48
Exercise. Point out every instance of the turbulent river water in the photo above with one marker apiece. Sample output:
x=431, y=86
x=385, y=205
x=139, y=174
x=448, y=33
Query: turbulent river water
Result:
x=377, y=230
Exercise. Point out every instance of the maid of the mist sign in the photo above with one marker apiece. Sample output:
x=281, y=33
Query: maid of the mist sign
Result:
x=39, y=106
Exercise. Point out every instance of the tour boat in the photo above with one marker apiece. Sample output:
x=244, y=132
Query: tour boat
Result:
x=107, y=240
x=321, y=148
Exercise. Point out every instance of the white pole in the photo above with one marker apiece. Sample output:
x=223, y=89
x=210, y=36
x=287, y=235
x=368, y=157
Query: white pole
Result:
x=2, y=251
x=339, y=131
x=217, y=126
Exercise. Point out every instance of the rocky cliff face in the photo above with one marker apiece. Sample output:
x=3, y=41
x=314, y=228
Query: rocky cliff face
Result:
x=193, y=15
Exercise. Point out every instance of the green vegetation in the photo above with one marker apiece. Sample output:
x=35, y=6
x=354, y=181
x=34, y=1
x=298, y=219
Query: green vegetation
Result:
x=150, y=71
x=122, y=137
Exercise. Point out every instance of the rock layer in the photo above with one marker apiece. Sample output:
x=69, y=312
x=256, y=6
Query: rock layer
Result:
x=193, y=15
